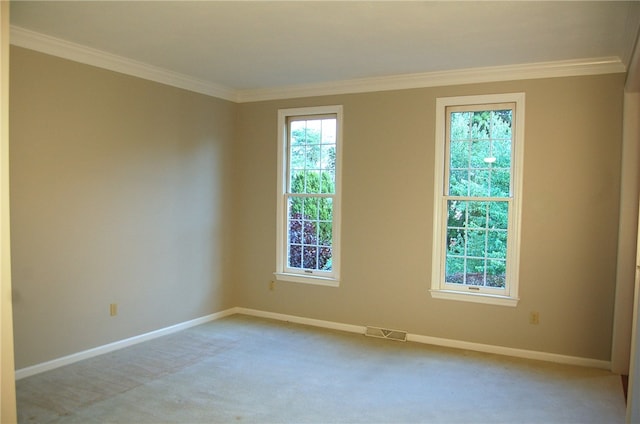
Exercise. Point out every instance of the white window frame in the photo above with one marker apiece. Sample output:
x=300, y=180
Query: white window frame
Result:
x=440, y=289
x=283, y=272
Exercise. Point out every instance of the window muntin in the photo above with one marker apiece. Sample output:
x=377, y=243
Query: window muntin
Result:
x=476, y=226
x=310, y=191
x=476, y=244
x=308, y=230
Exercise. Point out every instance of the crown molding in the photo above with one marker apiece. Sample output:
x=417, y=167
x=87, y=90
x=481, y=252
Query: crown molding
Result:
x=606, y=65
x=28, y=39
x=22, y=37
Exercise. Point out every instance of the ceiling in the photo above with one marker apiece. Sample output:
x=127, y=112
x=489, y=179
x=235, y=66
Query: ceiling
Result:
x=243, y=46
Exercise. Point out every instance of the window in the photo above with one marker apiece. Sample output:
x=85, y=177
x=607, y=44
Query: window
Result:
x=478, y=178
x=308, y=226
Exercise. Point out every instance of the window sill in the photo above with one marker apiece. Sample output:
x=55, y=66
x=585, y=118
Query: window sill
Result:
x=475, y=297
x=307, y=279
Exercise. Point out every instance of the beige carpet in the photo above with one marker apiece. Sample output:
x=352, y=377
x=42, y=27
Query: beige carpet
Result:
x=249, y=370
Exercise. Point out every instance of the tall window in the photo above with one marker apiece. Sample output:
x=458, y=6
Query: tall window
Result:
x=309, y=195
x=479, y=154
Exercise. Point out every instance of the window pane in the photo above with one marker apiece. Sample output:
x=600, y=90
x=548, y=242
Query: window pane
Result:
x=480, y=167
x=480, y=153
x=297, y=131
x=328, y=131
x=296, y=157
x=455, y=242
x=312, y=156
x=328, y=157
x=295, y=256
x=497, y=244
x=312, y=150
x=479, y=183
x=295, y=207
x=459, y=183
x=480, y=125
x=310, y=211
x=312, y=182
x=501, y=122
x=476, y=242
x=325, y=233
x=325, y=209
x=310, y=235
x=310, y=232
x=314, y=126
x=296, y=183
x=325, y=261
x=455, y=270
x=460, y=125
x=309, y=166
x=496, y=273
x=477, y=214
x=500, y=183
x=295, y=231
x=478, y=173
x=457, y=213
x=475, y=272
x=310, y=257
x=502, y=152
x=498, y=215
x=328, y=182
x=459, y=154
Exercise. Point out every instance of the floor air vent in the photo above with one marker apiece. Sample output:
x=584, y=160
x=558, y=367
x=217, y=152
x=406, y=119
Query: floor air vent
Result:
x=385, y=333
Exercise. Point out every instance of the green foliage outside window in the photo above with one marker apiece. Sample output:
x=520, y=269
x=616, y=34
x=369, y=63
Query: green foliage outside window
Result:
x=312, y=161
x=479, y=178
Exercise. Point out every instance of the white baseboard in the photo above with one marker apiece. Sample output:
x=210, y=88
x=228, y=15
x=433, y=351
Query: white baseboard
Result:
x=509, y=351
x=437, y=341
x=100, y=350
x=302, y=320
x=359, y=329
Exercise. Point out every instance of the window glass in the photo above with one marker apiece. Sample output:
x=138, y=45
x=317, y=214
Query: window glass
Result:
x=308, y=223
x=479, y=144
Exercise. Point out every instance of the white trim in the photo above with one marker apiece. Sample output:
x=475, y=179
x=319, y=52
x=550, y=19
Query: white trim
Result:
x=509, y=351
x=439, y=289
x=437, y=341
x=306, y=279
x=120, y=344
x=565, y=68
x=332, y=325
x=474, y=297
x=22, y=37
x=28, y=39
x=282, y=273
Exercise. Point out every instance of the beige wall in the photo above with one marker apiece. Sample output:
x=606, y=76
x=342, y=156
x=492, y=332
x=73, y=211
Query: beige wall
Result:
x=163, y=201
x=7, y=382
x=569, y=230
x=121, y=193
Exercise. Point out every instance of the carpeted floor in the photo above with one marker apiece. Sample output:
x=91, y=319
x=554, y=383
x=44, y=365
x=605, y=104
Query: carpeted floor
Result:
x=244, y=369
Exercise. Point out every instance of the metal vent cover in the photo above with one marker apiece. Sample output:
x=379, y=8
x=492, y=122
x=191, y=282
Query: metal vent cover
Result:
x=385, y=333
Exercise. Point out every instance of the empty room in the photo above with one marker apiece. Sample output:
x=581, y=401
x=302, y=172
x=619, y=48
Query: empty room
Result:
x=320, y=211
